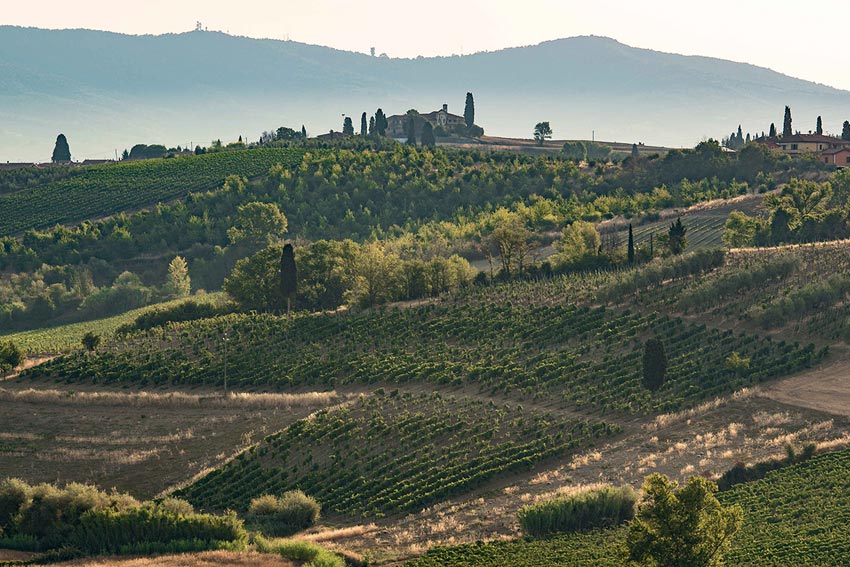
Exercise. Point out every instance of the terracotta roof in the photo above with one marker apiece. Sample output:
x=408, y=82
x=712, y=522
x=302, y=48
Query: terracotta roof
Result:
x=811, y=138
x=836, y=150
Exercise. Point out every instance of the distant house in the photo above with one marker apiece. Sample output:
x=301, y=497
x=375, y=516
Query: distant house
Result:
x=8, y=166
x=330, y=136
x=839, y=157
x=811, y=143
x=397, y=123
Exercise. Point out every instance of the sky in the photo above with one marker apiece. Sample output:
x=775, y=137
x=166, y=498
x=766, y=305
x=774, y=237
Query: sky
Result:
x=796, y=38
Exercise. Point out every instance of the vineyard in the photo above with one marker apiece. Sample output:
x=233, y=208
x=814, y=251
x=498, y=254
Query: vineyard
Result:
x=581, y=356
x=794, y=516
x=421, y=448
x=107, y=189
x=803, y=290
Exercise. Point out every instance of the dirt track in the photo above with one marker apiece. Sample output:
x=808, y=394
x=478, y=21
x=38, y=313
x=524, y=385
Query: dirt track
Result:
x=825, y=388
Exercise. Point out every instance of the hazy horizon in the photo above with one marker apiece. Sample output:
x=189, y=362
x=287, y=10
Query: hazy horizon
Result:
x=755, y=34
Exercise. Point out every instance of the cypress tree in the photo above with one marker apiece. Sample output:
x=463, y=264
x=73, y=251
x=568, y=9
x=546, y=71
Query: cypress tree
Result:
x=740, y=136
x=61, y=151
x=411, y=131
x=676, y=237
x=654, y=364
x=631, y=250
x=371, y=125
x=288, y=275
x=469, y=111
x=772, y=130
x=635, y=152
x=381, y=123
x=786, y=127
x=363, y=130
x=348, y=126
x=428, y=135
x=303, y=131
x=845, y=133
x=819, y=127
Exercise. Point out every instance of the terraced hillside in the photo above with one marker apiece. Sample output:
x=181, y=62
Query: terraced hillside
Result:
x=579, y=356
x=792, y=517
x=418, y=449
x=108, y=189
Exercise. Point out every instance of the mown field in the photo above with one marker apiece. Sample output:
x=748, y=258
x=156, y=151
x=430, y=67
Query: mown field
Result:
x=792, y=517
x=108, y=189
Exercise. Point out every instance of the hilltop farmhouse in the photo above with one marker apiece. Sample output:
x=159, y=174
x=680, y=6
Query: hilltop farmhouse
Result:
x=397, y=123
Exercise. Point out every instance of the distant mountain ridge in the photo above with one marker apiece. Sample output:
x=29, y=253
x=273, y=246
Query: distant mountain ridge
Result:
x=108, y=91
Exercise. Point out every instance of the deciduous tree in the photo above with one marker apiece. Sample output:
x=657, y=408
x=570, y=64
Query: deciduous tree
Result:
x=178, y=283
x=542, y=132
x=681, y=526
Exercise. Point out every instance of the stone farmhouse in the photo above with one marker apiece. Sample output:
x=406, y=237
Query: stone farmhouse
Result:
x=397, y=123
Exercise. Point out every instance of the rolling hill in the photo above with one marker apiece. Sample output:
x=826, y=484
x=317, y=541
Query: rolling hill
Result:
x=111, y=91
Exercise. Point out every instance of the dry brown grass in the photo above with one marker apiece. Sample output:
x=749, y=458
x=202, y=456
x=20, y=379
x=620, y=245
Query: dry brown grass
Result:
x=206, y=559
x=171, y=399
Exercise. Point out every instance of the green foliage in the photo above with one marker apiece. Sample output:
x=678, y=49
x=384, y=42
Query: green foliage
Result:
x=793, y=517
x=523, y=337
x=469, y=111
x=285, y=515
x=787, y=124
x=845, y=131
x=743, y=472
x=142, y=151
x=255, y=281
x=61, y=151
x=575, y=150
x=258, y=224
x=44, y=517
x=654, y=364
x=542, y=132
x=106, y=189
x=288, y=273
x=11, y=356
x=311, y=554
x=676, y=239
x=90, y=341
x=579, y=240
x=428, y=135
x=422, y=449
x=178, y=283
x=681, y=527
x=598, y=508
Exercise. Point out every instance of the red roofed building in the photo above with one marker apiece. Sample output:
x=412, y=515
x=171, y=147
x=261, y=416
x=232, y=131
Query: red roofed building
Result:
x=839, y=157
x=812, y=143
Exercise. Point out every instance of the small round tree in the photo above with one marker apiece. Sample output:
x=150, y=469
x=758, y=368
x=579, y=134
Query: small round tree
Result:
x=654, y=364
x=11, y=356
x=91, y=341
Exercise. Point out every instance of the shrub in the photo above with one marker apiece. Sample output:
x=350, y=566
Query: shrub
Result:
x=10, y=356
x=285, y=515
x=79, y=516
x=90, y=341
x=186, y=311
x=313, y=555
x=654, y=364
x=600, y=508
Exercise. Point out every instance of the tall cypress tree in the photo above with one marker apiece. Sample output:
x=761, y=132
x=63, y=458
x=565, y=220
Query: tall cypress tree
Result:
x=303, y=131
x=786, y=127
x=371, y=125
x=428, y=135
x=772, y=130
x=676, y=239
x=61, y=151
x=381, y=123
x=654, y=364
x=288, y=275
x=469, y=111
x=363, y=127
x=348, y=126
x=631, y=250
x=845, y=132
x=411, y=131
x=819, y=127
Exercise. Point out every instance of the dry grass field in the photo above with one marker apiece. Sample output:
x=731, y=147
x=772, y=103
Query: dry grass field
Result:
x=207, y=559
x=140, y=442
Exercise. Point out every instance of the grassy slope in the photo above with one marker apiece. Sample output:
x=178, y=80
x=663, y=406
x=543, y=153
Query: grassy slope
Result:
x=108, y=189
x=66, y=338
x=794, y=516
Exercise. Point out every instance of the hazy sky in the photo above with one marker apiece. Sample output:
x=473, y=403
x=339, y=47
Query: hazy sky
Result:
x=801, y=39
